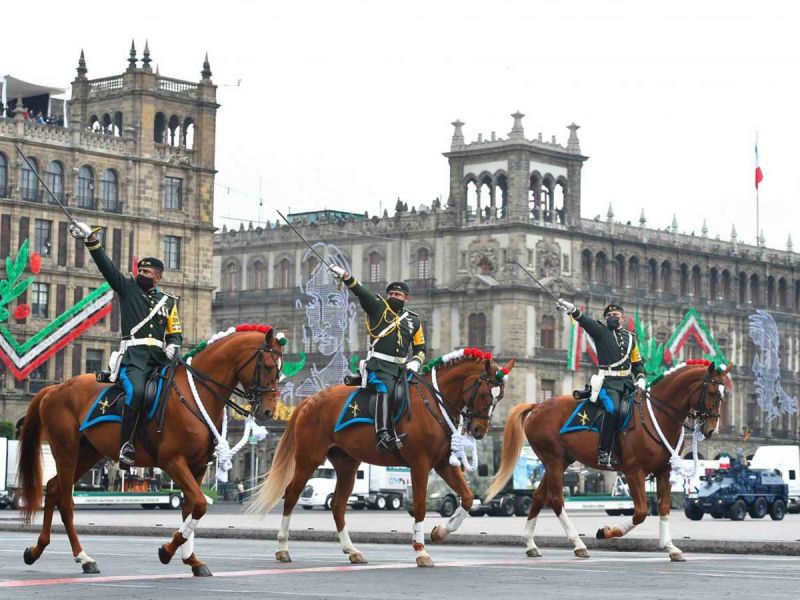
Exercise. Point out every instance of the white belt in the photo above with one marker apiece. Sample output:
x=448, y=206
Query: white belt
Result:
x=398, y=360
x=142, y=342
x=612, y=373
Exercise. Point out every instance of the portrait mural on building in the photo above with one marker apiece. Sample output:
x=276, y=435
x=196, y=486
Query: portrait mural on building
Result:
x=772, y=398
x=329, y=314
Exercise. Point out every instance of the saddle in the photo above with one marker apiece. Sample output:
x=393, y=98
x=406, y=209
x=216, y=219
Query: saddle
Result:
x=587, y=415
x=360, y=404
x=108, y=405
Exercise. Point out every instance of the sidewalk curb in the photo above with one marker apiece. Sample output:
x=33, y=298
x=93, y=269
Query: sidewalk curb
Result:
x=784, y=548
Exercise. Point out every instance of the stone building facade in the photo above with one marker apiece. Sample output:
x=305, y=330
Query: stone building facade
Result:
x=519, y=198
x=137, y=158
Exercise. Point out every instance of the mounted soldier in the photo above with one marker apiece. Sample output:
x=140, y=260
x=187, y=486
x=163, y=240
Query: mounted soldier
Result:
x=151, y=329
x=621, y=370
x=392, y=330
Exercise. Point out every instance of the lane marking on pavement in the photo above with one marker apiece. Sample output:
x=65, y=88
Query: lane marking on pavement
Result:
x=338, y=569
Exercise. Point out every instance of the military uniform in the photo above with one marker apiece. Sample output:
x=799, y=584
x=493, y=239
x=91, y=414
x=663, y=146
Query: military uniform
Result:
x=144, y=350
x=620, y=365
x=391, y=334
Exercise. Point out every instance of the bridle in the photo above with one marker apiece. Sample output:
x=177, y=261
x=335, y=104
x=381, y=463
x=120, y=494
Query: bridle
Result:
x=496, y=389
x=254, y=392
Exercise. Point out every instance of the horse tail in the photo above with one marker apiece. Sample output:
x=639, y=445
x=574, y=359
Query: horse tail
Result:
x=269, y=493
x=513, y=438
x=30, y=456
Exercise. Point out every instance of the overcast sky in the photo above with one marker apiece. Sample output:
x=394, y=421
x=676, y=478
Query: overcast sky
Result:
x=347, y=104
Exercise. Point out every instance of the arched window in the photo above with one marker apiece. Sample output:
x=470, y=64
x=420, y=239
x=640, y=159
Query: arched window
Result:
x=473, y=207
x=284, y=274
x=535, y=196
x=586, y=266
x=600, y=268
x=476, y=330
x=783, y=294
x=546, y=195
x=560, y=201
x=684, y=280
x=55, y=180
x=697, y=282
x=770, y=292
x=257, y=278
x=28, y=184
x=118, y=123
x=547, y=332
x=619, y=261
x=652, y=275
x=633, y=272
x=109, y=191
x=230, y=277
x=94, y=124
x=160, y=129
x=106, y=123
x=84, y=191
x=666, y=277
x=742, y=288
x=423, y=264
x=3, y=176
x=726, y=285
x=174, y=130
x=713, y=284
x=188, y=133
x=486, y=195
x=375, y=270
x=755, y=290
x=501, y=196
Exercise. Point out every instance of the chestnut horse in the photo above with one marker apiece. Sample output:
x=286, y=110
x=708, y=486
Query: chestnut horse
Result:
x=468, y=388
x=694, y=390
x=251, y=359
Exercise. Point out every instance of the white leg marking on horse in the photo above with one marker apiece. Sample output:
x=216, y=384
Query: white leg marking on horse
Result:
x=457, y=518
x=665, y=538
x=418, y=535
x=283, y=534
x=572, y=535
x=187, y=548
x=347, y=544
x=82, y=558
x=527, y=535
x=188, y=526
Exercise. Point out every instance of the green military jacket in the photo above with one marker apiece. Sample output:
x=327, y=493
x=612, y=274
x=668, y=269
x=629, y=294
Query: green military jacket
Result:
x=611, y=345
x=388, y=333
x=134, y=306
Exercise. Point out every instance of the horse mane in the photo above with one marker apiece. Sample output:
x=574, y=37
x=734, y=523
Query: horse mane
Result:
x=680, y=368
x=242, y=327
x=457, y=357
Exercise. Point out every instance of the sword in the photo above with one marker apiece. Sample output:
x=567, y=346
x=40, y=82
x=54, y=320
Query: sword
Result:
x=514, y=260
x=305, y=241
x=47, y=189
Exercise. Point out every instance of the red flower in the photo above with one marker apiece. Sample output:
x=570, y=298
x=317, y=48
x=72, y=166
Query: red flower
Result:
x=22, y=311
x=505, y=370
x=36, y=263
x=487, y=356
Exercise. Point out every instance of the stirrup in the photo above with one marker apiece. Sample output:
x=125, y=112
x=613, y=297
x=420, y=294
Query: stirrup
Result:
x=388, y=442
x=606, y=459
x=127, y=456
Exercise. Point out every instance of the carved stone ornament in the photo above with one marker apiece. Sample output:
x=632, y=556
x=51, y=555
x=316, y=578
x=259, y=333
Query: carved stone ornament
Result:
x=548, y=259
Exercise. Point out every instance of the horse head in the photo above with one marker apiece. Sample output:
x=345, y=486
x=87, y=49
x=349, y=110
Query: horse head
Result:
x=261, y=386
x=482, y=392
x=707, y=404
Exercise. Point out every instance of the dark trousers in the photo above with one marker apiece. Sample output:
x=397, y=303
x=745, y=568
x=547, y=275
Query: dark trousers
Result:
x=133, y=379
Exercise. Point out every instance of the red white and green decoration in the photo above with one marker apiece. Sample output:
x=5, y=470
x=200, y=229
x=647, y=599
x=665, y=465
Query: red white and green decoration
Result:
x=657, y=357
x=22, y=357
x=458, y=355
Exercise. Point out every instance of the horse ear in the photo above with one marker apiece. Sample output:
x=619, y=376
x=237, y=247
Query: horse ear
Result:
x=712, y=368
x=487, y=364
x=270, y=336
x=510, y=364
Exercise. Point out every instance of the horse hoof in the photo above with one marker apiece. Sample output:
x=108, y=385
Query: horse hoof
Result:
x=90, y=568
x=677, y=557
x=357, y=558
x=533, y=553
x=601, y=533
x=201, y=571
x=581, y=552
x=438, y=534
x=283, y=556
x=163, y=555
x=28, y=556
x=424, y=561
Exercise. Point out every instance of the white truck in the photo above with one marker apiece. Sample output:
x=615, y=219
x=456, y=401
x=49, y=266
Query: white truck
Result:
x=8, y=470
x=786, y=459
x=375, y=487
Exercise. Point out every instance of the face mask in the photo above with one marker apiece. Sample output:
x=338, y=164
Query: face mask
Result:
x=395, y=304
x=612, y=322
x=146, y=283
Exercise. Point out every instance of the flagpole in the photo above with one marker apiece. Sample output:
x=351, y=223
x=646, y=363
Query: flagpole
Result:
x=758, y=212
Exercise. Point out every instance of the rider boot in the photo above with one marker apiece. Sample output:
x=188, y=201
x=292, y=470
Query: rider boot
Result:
x=608, y=432
x=388, y=440
x=127, y=452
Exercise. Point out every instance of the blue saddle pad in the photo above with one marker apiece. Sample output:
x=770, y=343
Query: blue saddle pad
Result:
x=587, y=415
x=107, y=407
x=359, y=408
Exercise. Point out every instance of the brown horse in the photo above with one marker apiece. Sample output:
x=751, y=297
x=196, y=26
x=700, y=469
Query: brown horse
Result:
x=250, y=357
x=468, y=388
x=693, y=390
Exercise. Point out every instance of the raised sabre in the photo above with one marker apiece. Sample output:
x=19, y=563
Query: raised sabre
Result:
x=541, y=285
x=305, y=241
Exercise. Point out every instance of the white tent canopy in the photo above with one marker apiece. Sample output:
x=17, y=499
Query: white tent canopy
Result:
x=14, y=88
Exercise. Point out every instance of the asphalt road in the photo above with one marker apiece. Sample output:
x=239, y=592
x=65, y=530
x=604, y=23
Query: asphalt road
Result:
x=130, y=569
